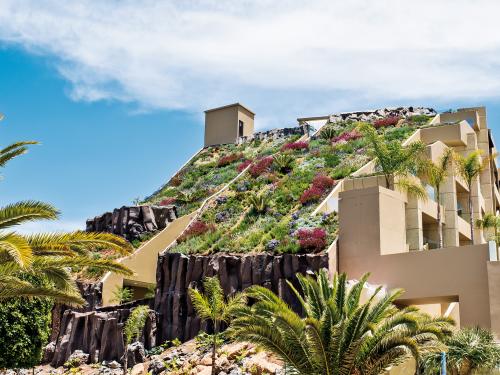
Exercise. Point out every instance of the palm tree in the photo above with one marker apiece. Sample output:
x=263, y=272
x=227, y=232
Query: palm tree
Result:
x=469, y=168
x=470, y=350
x=490, y=221
x=49, y=258
x=212, y=306
x=338, y=333
x=436, y=174
x=395, y=161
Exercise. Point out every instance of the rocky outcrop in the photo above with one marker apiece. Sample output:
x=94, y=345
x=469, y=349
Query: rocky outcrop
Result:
x=98, y=333
x=177, y=272
x=132, y=222
x=91, y=293
x=274, y=134
x=377, y=114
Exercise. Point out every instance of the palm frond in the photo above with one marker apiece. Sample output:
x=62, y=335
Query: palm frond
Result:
x=16, y=247
x=412, y=188
x=46, y=242
x=25, y=211
x=10, y=152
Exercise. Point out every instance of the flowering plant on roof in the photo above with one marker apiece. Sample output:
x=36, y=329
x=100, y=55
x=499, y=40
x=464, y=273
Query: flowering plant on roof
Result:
x=312, y=239
x=295, y=146
x=261, y=166
x=388, y=121
x=347, y=136
x=243, y=165
x=167, y=201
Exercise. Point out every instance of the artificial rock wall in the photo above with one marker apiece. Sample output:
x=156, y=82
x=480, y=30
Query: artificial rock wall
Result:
x=98, y=333
x=131, y=222
x=177, y=272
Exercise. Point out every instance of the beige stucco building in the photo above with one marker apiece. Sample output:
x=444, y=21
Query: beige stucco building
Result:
x=228, y=123
x=395, y=238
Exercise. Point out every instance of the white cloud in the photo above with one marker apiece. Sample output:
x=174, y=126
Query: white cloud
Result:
x=50, y=226
x=280, y=57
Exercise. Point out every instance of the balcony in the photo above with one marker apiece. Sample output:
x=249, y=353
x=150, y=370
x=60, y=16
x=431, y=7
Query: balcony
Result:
x=452, y=135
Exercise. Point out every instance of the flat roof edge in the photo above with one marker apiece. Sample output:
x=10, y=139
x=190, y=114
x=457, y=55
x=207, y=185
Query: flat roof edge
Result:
x=229, y=106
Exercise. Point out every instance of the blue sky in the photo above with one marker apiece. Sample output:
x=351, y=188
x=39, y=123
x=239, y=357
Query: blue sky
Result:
x=115, y=90
x=94, y=156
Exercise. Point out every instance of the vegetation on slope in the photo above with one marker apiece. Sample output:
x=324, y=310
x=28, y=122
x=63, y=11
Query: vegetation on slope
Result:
x=270, y=207
x=209, y=171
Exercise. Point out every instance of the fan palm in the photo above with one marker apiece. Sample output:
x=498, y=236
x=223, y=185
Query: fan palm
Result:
x=469, y=350
x=338, y=333
x=213, y=306
x=395, y=161
x=469, y=168
x=436, y=174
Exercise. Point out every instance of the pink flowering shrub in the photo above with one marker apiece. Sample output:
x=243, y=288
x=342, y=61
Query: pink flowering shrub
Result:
x=347, y=136
x=197, y=228
x=243, y=165
x=167, y=201
x=388, y=121
x=261, y=166
x=295, y=146
x=228, y=159
x=320, y=184
x=323, y=182
x=312, y=239
x=313, y=194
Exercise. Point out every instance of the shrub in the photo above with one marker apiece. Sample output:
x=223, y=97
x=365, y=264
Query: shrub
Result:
x=347, y=136
x=258, y=203
x=229, y=159
x=313, y=194
x=283, y=162
x=135, y=323
x=312, y=239
x=24, y=330
x=243, y=165
x=323, y=182
x=388, y=121
x=167, y=201
x=261, y=166
x=295, y=146
x=197, y=228
x=176, y=180
x=328, y=132
x=122, y=295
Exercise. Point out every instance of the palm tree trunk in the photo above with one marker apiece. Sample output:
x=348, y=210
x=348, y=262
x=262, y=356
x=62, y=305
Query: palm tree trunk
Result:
x=214, y=348
x=440, y=220
x=471, y=220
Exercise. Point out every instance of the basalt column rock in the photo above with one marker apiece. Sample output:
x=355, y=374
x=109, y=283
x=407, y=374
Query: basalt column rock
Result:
x=98, y=333
x=177, y=272
x=91, y=293
x=132, y=222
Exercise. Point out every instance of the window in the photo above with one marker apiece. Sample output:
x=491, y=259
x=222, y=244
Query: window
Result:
x=240, y=128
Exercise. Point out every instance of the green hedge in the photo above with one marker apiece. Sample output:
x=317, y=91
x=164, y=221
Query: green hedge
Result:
x=24, y=331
